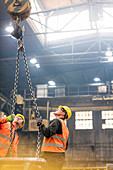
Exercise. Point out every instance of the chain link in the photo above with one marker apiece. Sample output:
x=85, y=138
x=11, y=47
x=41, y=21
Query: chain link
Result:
x=14, y=99
x=29, y=81
x=38, y=144
x=21, y=48
x=34, y=101
x=11, y=140
x=15, y=84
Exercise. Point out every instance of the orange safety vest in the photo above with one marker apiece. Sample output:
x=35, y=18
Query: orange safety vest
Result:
x=56, y=143
x=5, y=139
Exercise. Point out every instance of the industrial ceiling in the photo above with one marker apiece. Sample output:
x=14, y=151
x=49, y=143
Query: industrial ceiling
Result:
x=71, y=61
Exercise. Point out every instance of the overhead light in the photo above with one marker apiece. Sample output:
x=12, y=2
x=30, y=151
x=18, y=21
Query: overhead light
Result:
x=110, y=59
x=108, y=52
x=96, y=84
x=9, y=29
x=51, y=83
x=112, y=81
x=37, y=65
x=52, y=86
x=96, y=79
x=33, y=60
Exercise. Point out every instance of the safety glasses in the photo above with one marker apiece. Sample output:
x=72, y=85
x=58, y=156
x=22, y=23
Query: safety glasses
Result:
x=63, y=110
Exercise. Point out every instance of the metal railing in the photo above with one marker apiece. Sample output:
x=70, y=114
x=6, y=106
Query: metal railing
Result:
x=67, y=90
x=72, y=90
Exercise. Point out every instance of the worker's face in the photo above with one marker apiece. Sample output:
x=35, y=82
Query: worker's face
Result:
x=18, y=122
x=59, y=112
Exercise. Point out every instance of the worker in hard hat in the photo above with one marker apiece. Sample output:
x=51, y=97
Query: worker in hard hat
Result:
x=5, y=130
x=55, y=140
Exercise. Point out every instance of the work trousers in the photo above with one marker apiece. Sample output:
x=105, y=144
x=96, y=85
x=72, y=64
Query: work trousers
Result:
x=54, y=160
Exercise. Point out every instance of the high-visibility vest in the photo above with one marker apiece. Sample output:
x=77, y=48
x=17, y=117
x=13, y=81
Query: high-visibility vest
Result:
x=5, y=139
x=56, y=143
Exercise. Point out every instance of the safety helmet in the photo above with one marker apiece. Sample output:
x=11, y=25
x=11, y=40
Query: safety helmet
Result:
x=19, y=115
x=67, y=109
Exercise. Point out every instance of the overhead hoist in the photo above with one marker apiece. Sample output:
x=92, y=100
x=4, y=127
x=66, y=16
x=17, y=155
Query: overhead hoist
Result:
x=19, y=10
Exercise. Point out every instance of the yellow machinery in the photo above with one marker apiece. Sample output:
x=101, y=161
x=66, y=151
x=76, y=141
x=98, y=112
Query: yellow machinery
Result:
x=85, y=168
x=18, y=8
x=22, y=164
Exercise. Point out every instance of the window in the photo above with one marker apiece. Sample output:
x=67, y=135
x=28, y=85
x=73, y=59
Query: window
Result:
x=73, y=23
x=77, y=23
x=83, y=120
x=107, y=119
x=37, y=21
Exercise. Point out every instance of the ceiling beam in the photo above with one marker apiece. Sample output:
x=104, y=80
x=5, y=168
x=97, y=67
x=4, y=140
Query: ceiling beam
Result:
x=71, y=6
x=57, y=55
x=61, y=8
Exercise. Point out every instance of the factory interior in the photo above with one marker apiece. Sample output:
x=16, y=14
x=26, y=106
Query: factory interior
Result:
x=52, y=53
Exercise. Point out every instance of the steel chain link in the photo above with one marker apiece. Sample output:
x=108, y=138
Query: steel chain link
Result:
x=14, y=99
x=34, y=101
x=29, y=81
x=15, y=84
x=38, y=144
x=11, y=140
x=21, y=48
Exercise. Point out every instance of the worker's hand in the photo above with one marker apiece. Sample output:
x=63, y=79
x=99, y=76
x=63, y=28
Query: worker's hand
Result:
x=39, y=121
x=10, y=118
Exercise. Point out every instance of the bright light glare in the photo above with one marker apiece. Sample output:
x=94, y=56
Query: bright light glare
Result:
x=52, y=86
x=51, y=83
x=37, y=65
x=9, y=29
x=112, y=81
x=73, y=22
x=33, y=60
x=110, y=59
x=37, y=23
x=107, y=20
x=96, y=79
x=108, y=52
x=62, y=23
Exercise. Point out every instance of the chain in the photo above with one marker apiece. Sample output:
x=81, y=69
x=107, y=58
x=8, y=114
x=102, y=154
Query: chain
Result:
x=15, y=84
x=21, y=48
x=38, y=144
x=29, y=81
x=34, y=101
x=14, y=99
x=11, y=140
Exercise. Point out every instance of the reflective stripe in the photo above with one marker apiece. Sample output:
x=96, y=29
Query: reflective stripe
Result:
x=53, y=144
x=3, y=136
x=5, y=146
x=58, y=137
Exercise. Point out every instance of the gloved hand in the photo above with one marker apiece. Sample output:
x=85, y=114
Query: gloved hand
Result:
x=39, y=121
x=10, y=118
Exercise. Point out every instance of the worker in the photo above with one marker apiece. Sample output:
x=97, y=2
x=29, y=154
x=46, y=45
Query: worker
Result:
x=55, y=140
x=5, y=129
